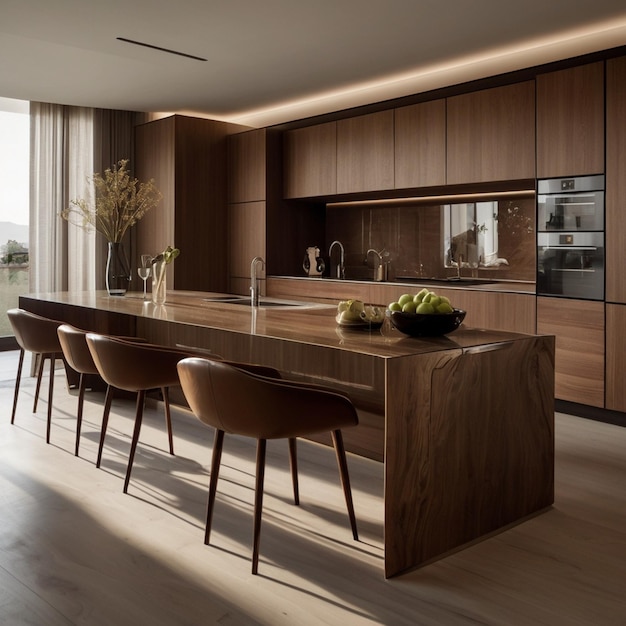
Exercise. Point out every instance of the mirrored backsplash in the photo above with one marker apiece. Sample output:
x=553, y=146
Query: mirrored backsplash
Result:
x=491, y=239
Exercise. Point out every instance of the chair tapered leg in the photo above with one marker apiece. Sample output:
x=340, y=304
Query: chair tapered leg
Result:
x=345, y=478
x=42, y=358
x=105, y=422
x=293, y=464
x=168, y=418
x=79, y=414
x=216, y=459
x=135, y=441
x=17, y=384
x=258, y=502
x=50, y=392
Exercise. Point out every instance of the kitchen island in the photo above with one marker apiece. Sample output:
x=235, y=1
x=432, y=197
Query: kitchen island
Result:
x=464, y=424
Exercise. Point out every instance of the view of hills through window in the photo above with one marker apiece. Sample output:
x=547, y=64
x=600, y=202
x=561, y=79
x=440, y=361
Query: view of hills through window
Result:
x=14, y=203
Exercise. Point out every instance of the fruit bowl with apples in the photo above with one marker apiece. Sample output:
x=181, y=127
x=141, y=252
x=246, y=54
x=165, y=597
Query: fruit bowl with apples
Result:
x=424, y=314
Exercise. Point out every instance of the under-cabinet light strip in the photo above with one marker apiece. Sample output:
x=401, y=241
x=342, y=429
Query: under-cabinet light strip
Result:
x=447, y=199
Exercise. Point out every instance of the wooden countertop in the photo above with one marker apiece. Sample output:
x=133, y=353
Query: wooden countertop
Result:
x=313, y=325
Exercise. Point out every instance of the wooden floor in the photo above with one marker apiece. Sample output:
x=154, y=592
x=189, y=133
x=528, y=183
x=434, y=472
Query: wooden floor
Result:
x=75, y=550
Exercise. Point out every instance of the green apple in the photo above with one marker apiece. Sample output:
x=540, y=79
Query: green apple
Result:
x=395, y=306
x=404, y=298
x=434, y=301
x=409, y=307
x=420, y=296
x=444, y=307
x=425, y=308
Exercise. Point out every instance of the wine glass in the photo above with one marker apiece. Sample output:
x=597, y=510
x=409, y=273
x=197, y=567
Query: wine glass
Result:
x=145, y=270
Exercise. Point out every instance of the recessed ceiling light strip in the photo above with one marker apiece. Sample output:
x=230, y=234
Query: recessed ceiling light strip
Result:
x=148, y=45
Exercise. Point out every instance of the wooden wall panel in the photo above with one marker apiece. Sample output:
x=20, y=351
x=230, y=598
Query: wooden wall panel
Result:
x=155, y=157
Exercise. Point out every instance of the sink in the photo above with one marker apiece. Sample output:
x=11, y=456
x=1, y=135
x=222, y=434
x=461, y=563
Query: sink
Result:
x=452, y=280
x=268, y=303
x=263, y=302
x=224, y=298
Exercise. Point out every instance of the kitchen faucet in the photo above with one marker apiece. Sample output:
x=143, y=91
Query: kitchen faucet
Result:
x=254, y=280
x=341, y=269
x=380, y=271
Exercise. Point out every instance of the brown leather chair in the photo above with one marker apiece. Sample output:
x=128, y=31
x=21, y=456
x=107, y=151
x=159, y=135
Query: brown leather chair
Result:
x=38, y=335
x=232, y=400
x=78, y=356
x=136, y=367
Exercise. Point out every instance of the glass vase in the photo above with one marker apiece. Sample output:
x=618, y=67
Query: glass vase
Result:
x=117, y=270
x=159, y=282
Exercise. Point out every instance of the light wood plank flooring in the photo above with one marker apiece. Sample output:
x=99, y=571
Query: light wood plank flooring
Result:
x=75, y=550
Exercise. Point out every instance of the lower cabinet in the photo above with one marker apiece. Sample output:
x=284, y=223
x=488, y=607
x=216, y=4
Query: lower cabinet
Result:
x=616, y=357
x=578, y=326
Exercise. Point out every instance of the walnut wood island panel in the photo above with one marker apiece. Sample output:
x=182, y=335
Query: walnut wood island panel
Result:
x=464, y=424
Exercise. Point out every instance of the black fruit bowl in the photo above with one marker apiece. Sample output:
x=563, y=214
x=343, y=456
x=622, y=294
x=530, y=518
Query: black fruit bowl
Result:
x=423, y=325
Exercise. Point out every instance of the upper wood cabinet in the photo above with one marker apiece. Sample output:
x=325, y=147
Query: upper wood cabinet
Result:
x=491, y=134
x=570, y=121
x=310, y=161
x=186, y=156
x=365, y=153
x=615, y=180
x=420, y=145
x=579, y=357
x=247, y=166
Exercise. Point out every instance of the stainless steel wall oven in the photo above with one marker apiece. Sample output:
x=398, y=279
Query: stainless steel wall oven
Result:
x=570, y=237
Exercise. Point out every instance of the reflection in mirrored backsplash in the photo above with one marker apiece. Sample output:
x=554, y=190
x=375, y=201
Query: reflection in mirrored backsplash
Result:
x=491, y=239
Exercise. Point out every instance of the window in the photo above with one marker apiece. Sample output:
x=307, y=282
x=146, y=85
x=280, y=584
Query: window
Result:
x=14, y=206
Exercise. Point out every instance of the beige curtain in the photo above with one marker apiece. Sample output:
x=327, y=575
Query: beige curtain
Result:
x=69, y=144
x=61, y=156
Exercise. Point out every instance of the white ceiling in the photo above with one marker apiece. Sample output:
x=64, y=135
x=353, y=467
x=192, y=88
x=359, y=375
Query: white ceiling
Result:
x=271, y=61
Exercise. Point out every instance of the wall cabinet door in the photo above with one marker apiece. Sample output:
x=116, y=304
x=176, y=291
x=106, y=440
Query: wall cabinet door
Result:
x=365, y=153
x=247, y=166
x=615, y=179
x=570, y=121
x=310, y=161
x=491, y=134
x=420, y=145
x=578, y=326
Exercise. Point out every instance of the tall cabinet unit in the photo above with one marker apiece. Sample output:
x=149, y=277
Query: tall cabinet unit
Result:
x=615, y=229
x=187, y=158
x=261, y=221
x=570, y=121
x=247, y=174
